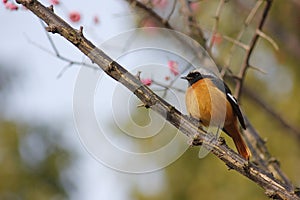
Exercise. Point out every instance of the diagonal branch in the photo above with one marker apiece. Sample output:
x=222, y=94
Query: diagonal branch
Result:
x=240, y=34
x=273, y=187
x=246, y=62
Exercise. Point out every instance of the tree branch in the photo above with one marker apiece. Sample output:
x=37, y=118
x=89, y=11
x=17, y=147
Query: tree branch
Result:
x=247, y=22
x=193, y=28
x=273, y=187
x=216, y=24
x=246, y=63
x=151, y=13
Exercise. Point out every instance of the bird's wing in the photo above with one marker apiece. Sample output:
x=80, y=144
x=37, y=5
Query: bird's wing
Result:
x=234, y=104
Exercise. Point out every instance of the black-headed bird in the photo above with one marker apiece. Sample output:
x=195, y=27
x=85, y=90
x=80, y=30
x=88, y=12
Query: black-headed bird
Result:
x=209, y=98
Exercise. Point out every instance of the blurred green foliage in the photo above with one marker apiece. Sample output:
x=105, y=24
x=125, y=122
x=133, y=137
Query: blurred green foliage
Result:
x=31, y=163
x=32, y=156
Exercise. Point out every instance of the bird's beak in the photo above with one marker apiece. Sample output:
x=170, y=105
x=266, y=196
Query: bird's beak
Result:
x=184, y=77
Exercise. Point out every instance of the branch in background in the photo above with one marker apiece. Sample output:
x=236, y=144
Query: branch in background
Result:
x=150, y=12
x=196, y=34
x=172, y=10
x=246, y=63
x=55, y=24
x=216, y=24
x=240, y=34
x=194, y=30
x=263, y=154
x=56, y=53
x=268, y=38
x=147, y=8
x=235, y=43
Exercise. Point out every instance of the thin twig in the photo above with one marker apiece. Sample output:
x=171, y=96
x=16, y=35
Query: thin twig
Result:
x=268, y=38
x=258, y=69
x=61, y=73
x=172, y=10
x=150, y=12
x=170, y=85
x=263, y=155
x=240, y=34
x=167, y=87
x=56, y=54
x=194, y=30
x=245, y=65
x=216, y=24
x=69, y=61
x=235, y=42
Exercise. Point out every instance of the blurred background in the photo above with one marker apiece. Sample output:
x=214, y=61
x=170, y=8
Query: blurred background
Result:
x=43, y=157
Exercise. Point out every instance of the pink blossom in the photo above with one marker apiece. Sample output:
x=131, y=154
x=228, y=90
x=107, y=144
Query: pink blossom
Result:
x=194, y=6
x=148, y=22
x=74, y=16
x=54, y=2
x=150, y=26
x=167, y=78
x=4, y=1
x=147, y=81
x=96, y=19
x=11, y=6
x=173, y=66
x=216, y=39
x=160, y=3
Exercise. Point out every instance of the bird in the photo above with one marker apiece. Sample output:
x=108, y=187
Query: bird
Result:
x=209, y=100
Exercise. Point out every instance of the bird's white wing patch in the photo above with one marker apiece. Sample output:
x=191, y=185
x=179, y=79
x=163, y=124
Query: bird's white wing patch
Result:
x=232, y=98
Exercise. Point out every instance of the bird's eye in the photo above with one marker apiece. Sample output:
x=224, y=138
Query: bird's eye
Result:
x=197, y=74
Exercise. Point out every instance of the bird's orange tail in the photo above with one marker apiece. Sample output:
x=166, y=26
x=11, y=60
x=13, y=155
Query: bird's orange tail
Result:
x=239, y=142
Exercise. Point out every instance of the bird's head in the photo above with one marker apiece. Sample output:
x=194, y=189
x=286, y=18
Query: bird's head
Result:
x=197, y=75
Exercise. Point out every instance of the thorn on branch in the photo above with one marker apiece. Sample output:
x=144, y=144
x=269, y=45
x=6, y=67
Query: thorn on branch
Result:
x=258, y=69
x=297, y=191
x=138, y=75
x=221, y=141
x=143, y=106
x=148, y=100
x=51, y=29
x=110, y=68
x=171, y=109
x=265, y=140
x=51, y=8
x=268, y=38
x=273, y=160
x=24, y=2
x=80, y=31
x=273, y=195
x=195, y=141
x=246, y=167
x=230, y=167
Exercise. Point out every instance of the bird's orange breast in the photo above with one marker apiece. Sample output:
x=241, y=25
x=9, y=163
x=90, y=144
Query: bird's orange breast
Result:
x=206, y=102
